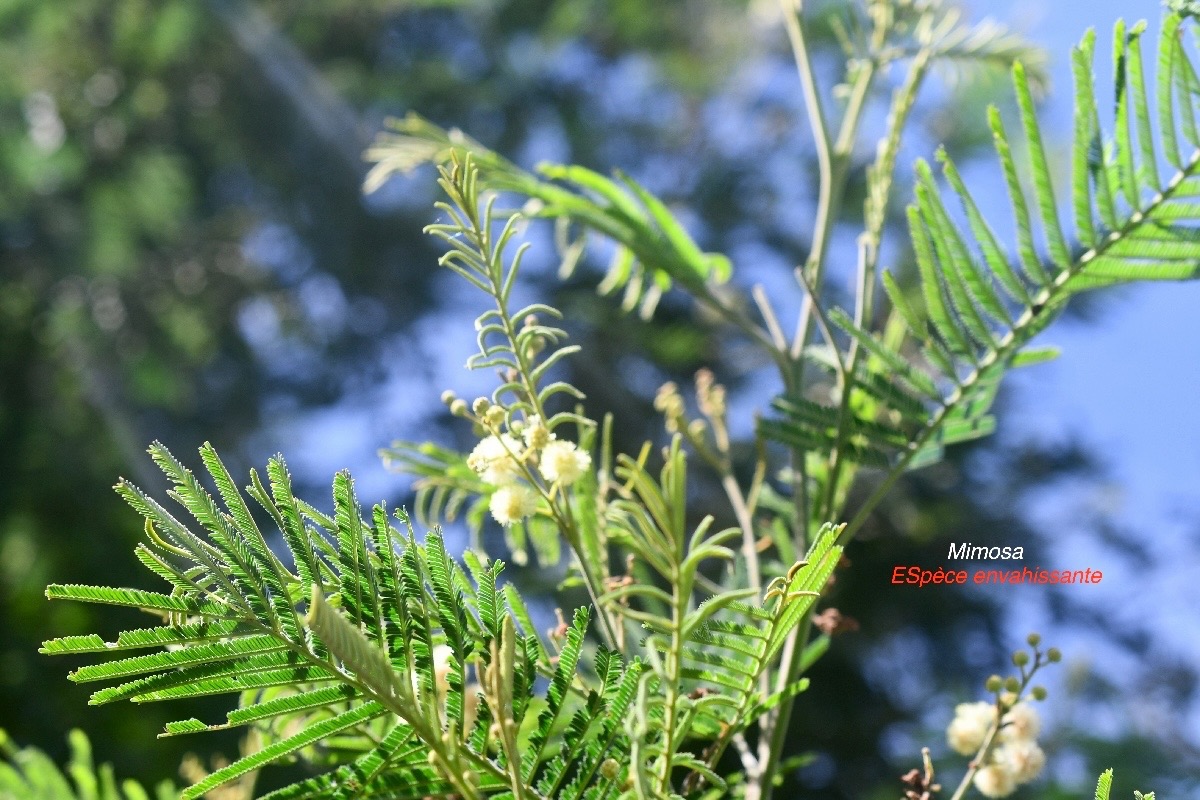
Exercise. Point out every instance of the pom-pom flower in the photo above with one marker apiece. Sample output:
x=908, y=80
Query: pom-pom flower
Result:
x=495, y=459
x=970, y=725
x=563, y=463
x=1022, y=759
x=1021, y=723
x=513, y=503
x=995, y=781
x=1013, y=759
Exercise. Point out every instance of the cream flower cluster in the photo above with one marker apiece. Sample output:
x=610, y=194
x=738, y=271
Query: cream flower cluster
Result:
x=499, y=458
x=1013, y=760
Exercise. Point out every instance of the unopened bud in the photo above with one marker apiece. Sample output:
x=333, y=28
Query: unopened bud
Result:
x=480, y=406
x=1020, y=658
x=459, y=408
x=535, y=346
x=1012, y=685
x=493, y=417
x=1038, y=692
x=448, y=397
x=610, y=769
x=1054, y=655
x=994, y=683
x=1033, y=639
x=539, y=436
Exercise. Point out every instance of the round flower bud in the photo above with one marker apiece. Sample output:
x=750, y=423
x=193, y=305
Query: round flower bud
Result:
x=969, y=726
x=1023, y=759
x=1033, y=639
x=535, y=346
x=493, y=417
x=448, y=397
x=1038, y=692
x=536, y=434
x=1020, y=658
x=994, y=683
x=1012, y=684
x=995, y=781
x=610, y=769
x=442, y=666
x=480, y=406
x=1054, y=655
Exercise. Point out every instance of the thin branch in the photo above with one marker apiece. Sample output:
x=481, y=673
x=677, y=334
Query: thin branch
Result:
x=768, y=314
x=878, y=198
x=792, y=13
x=823, y=324
x=741, y=512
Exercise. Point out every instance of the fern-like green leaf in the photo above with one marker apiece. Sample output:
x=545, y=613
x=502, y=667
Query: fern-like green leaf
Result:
x=1132, y=223
x=371, y=660
x=653, y=249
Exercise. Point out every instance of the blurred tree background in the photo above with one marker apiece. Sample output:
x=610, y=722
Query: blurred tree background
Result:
x=186, y=255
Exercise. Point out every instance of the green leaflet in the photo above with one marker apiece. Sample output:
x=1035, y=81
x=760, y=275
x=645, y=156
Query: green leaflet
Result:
x=310, y=734
x=142, y=638
x=172, y=659
x=133, y=598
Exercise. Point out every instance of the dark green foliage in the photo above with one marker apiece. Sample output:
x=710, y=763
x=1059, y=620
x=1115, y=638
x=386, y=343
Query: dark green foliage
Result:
x=363, y=641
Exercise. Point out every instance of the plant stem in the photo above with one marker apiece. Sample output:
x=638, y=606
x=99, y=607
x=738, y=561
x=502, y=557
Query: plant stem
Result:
x=741, y=512
x=833, y=162
x=978, y=760
x=878, y=197
x=672, y=681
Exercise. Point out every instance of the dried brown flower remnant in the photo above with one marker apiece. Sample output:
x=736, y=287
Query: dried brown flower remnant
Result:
x=831, y=622
x=920, y=782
